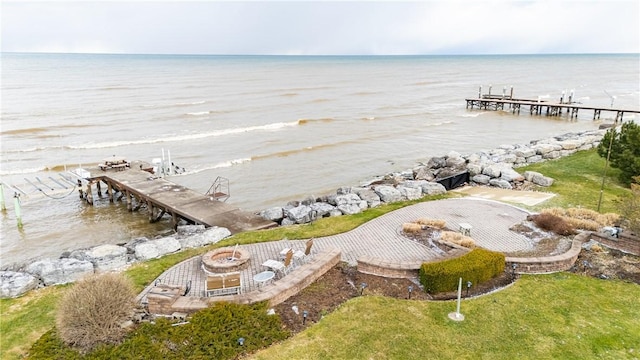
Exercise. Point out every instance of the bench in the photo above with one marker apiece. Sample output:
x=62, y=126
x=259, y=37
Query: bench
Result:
x=223, y=284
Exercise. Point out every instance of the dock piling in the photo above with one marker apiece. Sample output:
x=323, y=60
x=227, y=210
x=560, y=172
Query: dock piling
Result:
x=18, y=210
x=3, y=207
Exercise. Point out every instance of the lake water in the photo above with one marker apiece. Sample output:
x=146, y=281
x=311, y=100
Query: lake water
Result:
x=279, y=128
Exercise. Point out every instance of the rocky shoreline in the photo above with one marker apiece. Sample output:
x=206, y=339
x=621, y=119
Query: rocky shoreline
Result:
x=496, y=167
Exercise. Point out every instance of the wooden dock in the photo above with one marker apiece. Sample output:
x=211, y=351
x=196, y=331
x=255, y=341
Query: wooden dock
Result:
x=538, y=107
x=140, y=189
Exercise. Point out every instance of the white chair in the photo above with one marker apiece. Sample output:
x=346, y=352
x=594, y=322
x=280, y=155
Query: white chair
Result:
x=302, y=257
x=282, y=267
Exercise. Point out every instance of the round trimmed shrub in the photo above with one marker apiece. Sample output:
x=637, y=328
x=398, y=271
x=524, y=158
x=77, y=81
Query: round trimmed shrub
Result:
x=93, y=310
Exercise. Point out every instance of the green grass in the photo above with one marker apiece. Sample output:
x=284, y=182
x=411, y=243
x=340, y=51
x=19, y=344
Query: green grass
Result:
x=578, y=179
x=558, y=316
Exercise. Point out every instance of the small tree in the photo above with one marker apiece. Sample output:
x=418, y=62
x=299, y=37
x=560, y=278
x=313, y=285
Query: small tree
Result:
x=630, y=207
x=625, y=150
x=93, y=310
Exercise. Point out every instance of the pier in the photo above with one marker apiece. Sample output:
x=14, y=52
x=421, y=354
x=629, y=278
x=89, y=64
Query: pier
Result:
x=141, y=189
x=541, y=107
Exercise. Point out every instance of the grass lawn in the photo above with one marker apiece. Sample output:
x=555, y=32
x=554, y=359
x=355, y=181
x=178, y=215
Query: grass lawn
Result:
x=557, y=316
x=578, y=179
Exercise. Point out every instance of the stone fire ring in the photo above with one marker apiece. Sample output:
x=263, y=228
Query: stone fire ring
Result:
x=226, y=260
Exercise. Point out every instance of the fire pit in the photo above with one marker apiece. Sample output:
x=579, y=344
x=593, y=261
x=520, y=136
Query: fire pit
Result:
x=226, y=260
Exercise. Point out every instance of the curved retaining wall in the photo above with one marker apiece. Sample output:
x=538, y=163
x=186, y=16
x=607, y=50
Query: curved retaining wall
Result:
x=549, y=264
x=165, y=300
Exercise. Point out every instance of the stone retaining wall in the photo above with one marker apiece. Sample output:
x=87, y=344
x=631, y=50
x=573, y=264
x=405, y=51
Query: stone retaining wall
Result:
x=167, y=302
x=549, y=264
x=626, y=243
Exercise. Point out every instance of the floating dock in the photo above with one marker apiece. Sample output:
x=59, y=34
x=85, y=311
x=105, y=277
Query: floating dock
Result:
x=540, y=107
x=141, y=189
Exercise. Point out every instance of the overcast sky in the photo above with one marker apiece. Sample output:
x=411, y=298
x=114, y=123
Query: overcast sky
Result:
x=323, y=27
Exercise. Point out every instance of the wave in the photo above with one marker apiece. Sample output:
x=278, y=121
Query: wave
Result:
x=473, y=115
x=308, y=121
x=33, y=149
x=24, y=131
x=216, y=133
x=199, y=113
x=22, y=171
x=223, y=164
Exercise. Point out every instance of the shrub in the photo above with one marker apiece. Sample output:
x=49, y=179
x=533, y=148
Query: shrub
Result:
x=411, y=228
x=458, y=239
x=585, y=219
x=93, y=310
x=477, y=266
x=434, y=223
x=211, y=333
x=553, y=223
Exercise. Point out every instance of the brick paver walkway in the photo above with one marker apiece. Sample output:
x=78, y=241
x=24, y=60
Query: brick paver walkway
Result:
x=381, y=238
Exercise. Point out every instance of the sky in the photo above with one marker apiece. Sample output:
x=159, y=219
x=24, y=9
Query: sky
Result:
x=322, y=27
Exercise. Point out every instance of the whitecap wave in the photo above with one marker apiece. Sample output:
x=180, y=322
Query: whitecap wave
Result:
x=224, y=164
x=187, y=137
x=199, y=113
x=473, y=115
x=22, y=171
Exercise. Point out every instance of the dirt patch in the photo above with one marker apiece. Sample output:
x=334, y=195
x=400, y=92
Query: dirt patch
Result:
x=344, y=282
x=604, y=263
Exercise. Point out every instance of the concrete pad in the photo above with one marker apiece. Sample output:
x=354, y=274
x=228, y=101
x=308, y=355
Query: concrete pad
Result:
x=529, y=198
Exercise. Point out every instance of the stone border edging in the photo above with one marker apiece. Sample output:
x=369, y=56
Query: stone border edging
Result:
x=550, y=264
x=623, y=243
x=167, y=302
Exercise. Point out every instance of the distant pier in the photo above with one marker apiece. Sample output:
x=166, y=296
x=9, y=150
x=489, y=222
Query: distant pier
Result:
x=541, y=107
x=140, y=189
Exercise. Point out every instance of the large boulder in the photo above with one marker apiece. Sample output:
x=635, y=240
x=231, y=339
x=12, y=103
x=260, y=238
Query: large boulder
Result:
x=157, y=248
x=510, y=175
x=493, y=170
x=525, y=152
x=368, y=195
x=211, y=236
x=481, y=179
x=423, y=173
x=299, y=214
x=437, y=162
x=534, y=159
x=433, y=188
x=349, y=204
x=14, y=284
x=321, y=209
x=60, y=271
x=273, y=214
x=103, y=257
x=537, y=178
x=474, y=169
x=503, y=184
x=190, y=229
x=388, y=194
x=410, y=193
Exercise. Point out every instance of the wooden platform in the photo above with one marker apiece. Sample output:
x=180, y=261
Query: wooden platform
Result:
x=159, y=196
x=549, y=108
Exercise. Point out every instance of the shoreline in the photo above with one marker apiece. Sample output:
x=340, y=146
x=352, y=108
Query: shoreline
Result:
x=497, y=166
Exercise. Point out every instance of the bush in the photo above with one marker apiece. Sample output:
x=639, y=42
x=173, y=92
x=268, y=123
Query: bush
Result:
x=625, y=150
x=458, y=239
x=411, y=228
x=438, y=224
x=93, y=310
x=585, y=219
x=553, y=223
x=477, y=266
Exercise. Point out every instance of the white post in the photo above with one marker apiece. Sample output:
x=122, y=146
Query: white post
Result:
x=456, y=316
x=16, y=204
x=162, y=164
x=3, y=207
x=169, y=162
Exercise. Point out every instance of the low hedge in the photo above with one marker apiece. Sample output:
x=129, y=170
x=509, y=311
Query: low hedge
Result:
x=477, y=266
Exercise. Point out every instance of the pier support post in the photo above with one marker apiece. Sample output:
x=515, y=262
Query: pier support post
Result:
x=80, y=189
x=18, y=210
x=151, y=209
x=99, y=188
x=3, y=207
x=110, y=192
x=127, y=195
x=89, y=194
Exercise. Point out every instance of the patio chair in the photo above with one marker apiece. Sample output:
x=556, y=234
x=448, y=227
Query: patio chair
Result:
x=302, y=257
x=282, y=267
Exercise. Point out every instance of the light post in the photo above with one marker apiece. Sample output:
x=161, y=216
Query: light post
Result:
x=410, y=288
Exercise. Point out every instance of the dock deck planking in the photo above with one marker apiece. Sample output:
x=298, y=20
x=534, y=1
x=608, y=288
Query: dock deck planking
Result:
x=180, y=201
